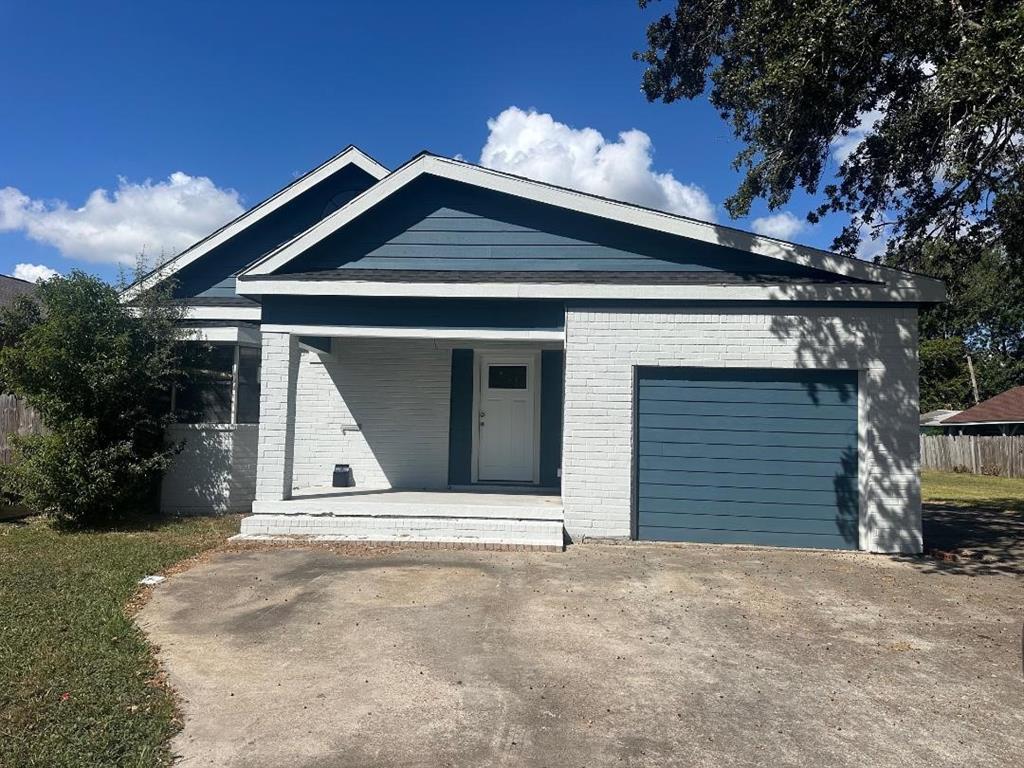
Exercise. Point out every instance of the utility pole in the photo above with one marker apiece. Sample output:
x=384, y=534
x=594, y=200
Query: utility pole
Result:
x=974, y=379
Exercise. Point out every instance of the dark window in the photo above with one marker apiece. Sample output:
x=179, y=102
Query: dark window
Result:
x=206, y=397
x=248, y=410
x=506, y=377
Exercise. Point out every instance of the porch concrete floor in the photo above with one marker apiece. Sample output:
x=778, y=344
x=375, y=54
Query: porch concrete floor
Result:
x=630, y=655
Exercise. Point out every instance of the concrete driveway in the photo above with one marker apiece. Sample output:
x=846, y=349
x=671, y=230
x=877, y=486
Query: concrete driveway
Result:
x=604, y=655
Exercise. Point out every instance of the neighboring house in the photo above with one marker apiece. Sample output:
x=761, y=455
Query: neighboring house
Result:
x=999, y=415
x=934, y=419
x=629, y=373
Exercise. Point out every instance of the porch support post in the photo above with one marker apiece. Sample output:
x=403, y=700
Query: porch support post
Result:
x=277, y=417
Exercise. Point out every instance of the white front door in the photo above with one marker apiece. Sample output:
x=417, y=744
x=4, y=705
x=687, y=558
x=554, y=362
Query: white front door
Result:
x=506, y=418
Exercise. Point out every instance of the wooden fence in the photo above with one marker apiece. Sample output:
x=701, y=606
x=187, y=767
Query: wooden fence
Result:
x=970, y=453
x=16, y=418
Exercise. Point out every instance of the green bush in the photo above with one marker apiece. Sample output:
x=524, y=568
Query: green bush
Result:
x=99, y=373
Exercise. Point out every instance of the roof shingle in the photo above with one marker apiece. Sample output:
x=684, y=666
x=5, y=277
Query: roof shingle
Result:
x=1007, y=406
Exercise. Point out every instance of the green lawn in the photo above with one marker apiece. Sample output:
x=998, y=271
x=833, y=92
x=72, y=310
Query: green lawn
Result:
x=78, y=680
x=973, y=490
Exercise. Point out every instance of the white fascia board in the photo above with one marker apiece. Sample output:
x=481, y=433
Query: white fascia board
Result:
x=797, y=292
x=223, y=313
x=377, y=332
x=349, y=156
x=591, y=205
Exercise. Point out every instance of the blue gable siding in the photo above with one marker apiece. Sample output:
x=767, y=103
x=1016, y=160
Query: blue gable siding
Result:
x=438, y=224
x=213, y=274
x=534, y=314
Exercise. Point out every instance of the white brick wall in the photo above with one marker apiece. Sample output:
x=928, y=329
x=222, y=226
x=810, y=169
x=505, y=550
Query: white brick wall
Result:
x=215, y=471
x=397, y=391
x=602, y=346
x=280, y=363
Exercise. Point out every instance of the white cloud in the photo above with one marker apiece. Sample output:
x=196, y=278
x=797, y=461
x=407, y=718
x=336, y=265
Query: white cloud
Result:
x=34, y=272
x=846, y=145
x=535, y=145
x=781, y=225
x=151, y=218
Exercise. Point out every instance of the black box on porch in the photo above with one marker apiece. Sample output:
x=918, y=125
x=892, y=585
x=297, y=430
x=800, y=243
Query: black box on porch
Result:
x=343, y=476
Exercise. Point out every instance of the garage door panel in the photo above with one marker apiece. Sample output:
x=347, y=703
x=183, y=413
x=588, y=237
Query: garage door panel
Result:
x=745, y=437
x=802, y=482
x=794, y=525
x=742, y=391
x=756, y=466
x=650, y=507
x=747, y=456
x=719, y=493
x=768, y=398
x=751, y=409
x=758, y=538
x=742, y=378
x=709, y=451
x=775, y=424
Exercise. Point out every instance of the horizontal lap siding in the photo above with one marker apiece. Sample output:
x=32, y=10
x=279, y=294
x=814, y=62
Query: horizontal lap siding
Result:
x=435, y=224
x=754, y=491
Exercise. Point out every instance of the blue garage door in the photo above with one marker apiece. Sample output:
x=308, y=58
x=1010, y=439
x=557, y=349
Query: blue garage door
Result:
x=747, y=456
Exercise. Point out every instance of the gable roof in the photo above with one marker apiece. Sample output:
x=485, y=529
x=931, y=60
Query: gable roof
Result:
x=1005, y=408
x=351, y=155
x=897, y=285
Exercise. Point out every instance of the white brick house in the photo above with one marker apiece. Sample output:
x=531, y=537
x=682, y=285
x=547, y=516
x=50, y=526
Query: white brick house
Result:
x=505, y=362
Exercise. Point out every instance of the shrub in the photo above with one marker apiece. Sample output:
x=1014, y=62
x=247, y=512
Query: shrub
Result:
x=99, y=373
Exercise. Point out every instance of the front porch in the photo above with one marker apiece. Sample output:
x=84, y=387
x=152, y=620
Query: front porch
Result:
x=527, y=518
x=450, y=436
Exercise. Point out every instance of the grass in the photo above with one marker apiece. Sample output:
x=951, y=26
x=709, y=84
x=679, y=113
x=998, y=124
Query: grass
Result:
x=973, y=490
x=79, y=685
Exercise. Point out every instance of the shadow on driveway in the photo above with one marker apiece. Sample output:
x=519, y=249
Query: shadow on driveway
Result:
x=975, y=541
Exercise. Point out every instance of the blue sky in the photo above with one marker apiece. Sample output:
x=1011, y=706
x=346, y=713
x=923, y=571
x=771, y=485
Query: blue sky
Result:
x=247, y=95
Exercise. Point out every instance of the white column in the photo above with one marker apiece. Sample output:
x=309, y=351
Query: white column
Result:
x=277, y=417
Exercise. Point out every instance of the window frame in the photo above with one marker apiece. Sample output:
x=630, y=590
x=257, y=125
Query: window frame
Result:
x=235, y=370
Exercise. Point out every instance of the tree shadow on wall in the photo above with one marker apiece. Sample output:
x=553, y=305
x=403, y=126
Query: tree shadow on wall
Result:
x=847, y=498
x=881, y=345
x=214, y=471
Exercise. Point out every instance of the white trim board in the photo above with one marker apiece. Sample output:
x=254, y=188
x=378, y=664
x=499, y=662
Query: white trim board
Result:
x=467, y=334
x=455, y=170
x=535, y=290
x=223, y=313
x=351, y=155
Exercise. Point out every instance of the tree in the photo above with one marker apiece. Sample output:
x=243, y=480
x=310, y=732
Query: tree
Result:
x=935, y=93
x=99, y=373
x=937, y=88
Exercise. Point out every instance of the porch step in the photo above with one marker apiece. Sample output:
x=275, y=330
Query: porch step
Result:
x=490, y=531
x=390, y=515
